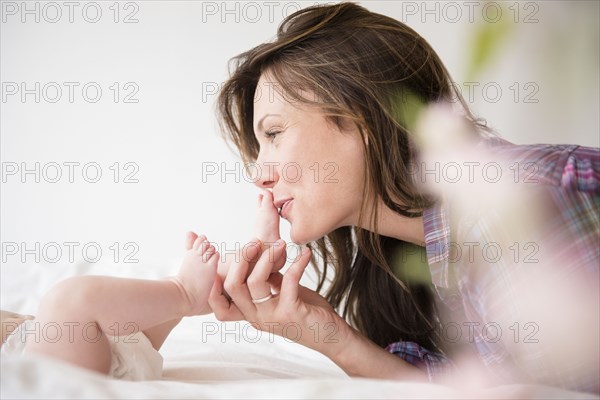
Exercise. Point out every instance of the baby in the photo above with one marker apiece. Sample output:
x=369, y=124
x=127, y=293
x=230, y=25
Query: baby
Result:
x=116, y=325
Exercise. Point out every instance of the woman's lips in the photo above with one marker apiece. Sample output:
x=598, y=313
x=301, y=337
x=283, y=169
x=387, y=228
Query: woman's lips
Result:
x=286, y=208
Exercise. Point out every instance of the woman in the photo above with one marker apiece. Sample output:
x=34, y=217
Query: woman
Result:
x=327, y=114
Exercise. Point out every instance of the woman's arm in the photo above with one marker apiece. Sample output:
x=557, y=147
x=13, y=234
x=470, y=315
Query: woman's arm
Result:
x=360, y=357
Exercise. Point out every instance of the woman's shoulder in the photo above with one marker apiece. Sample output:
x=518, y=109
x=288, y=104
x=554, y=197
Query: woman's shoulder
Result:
x=571, y=166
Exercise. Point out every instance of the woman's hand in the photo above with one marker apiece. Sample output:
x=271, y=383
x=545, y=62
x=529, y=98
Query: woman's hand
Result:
x=295, y=312
x=299, y=314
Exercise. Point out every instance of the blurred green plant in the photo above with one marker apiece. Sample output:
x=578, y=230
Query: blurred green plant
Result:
x=488, y=37
x=406, y=107
x=409, y=264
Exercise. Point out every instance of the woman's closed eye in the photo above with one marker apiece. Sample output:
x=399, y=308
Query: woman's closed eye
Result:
x=272, y=133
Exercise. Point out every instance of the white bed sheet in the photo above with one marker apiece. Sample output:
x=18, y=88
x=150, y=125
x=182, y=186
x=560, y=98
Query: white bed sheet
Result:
x=205, y=358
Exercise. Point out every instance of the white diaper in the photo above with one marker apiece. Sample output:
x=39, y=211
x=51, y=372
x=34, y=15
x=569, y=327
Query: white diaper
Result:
x=133, y=357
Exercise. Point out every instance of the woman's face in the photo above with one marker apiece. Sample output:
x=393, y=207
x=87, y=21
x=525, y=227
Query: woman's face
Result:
x=310, y=161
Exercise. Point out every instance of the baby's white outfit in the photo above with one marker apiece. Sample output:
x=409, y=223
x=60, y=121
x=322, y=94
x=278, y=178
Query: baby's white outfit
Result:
x=133, y=357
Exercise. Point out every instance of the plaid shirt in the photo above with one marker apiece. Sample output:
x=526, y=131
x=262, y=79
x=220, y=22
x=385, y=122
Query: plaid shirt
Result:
x=477, y=294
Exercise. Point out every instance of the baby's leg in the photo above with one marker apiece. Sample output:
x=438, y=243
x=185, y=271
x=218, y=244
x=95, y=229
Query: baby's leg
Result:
x=85, y=309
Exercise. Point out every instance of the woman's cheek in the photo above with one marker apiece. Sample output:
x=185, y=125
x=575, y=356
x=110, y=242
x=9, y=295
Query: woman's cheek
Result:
x=311, y=216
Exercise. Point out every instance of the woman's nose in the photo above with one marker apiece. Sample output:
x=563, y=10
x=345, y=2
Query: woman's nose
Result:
x=265, y=173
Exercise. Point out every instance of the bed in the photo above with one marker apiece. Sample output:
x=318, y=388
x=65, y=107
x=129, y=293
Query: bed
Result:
x=204, y=358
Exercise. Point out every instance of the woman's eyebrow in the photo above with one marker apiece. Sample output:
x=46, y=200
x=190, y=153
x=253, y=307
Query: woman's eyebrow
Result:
x=260, y=122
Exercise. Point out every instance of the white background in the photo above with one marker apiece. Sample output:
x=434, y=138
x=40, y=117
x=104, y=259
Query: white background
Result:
x=175, y=55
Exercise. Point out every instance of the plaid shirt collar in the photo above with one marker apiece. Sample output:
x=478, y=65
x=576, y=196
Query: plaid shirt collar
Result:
x=437, y=241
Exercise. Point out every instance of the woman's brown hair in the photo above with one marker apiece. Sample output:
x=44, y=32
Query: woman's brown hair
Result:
x=371, y=70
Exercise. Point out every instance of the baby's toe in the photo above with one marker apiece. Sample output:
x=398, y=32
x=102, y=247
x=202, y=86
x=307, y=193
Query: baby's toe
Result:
x=198, y=242
x=190, y=238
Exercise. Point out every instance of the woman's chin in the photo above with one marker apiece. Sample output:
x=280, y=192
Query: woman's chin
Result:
x=297, y=237
x=302, y=237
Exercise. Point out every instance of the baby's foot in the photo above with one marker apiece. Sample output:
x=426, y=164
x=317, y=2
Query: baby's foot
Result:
x=266, y=226
x=197, y=273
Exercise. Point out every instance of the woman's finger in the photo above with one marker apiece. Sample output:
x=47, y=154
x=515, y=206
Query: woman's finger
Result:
x=235, y=282
x=224, y=309
x=280, y=258
x=275, y=280
x=257, y=281
x=291, y=279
